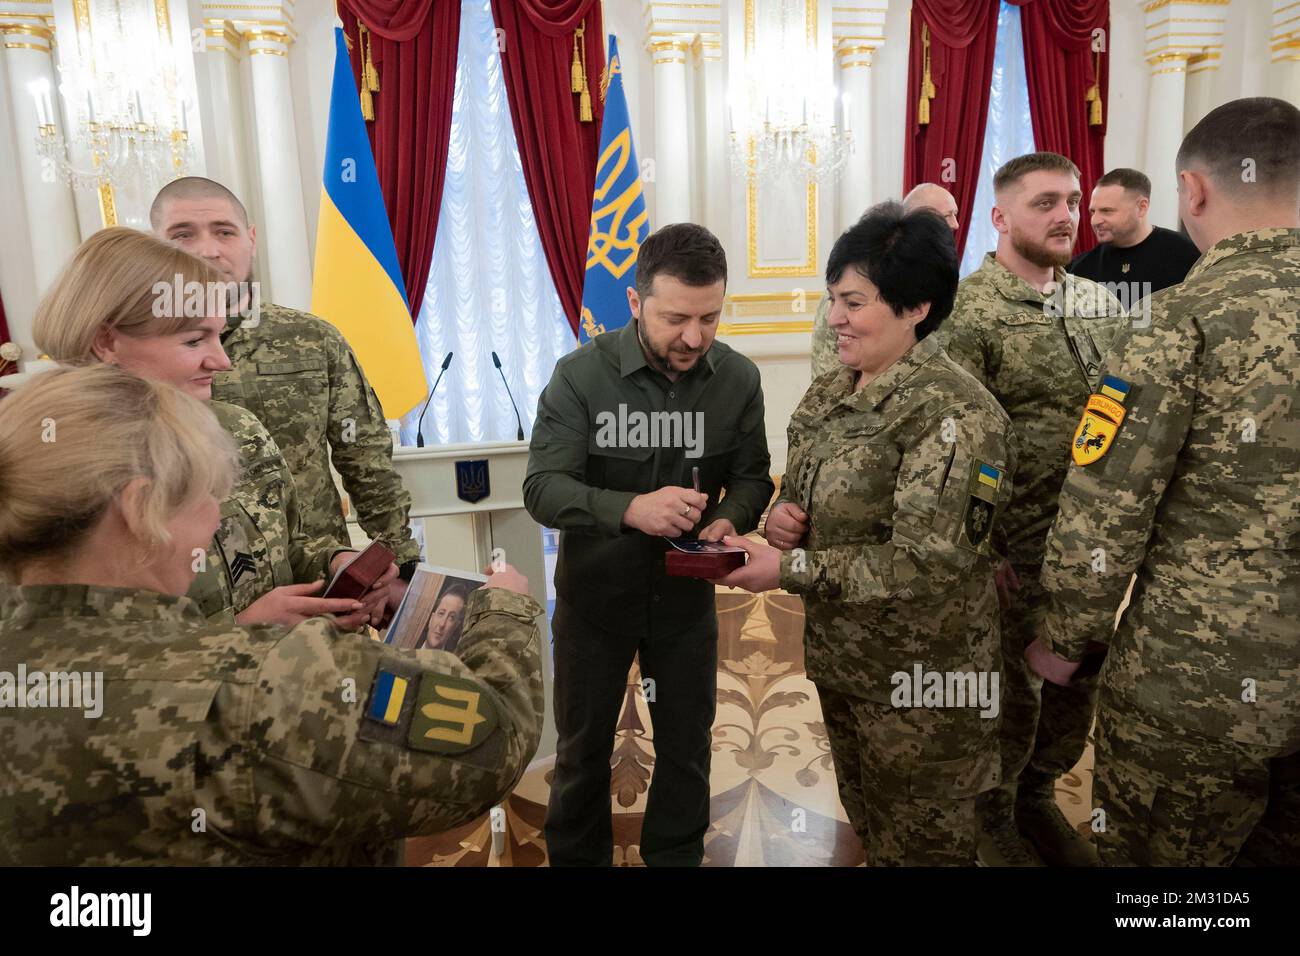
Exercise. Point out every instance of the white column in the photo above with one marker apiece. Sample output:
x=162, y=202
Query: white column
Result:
x=714, y=144
x=1168, y=91
x=283, y=233
x=855, y=107
x=51, y=214
x=222, y=111
x=672, y=145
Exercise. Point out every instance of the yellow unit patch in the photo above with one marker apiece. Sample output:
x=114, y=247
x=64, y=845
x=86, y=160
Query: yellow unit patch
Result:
x=1096, y=432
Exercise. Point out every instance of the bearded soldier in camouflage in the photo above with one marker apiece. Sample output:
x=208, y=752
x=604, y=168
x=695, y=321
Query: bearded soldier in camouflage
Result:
x=898, y=468
x=1035, y=337
x=1195, y=486
x=825, y=355
x=297, y=374
x=215, y=743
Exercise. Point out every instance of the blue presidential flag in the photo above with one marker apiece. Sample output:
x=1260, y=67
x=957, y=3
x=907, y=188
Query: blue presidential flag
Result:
x=619, y=221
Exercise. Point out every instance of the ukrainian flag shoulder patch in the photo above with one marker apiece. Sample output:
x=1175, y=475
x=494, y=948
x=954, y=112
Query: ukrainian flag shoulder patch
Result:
x=1102, y=416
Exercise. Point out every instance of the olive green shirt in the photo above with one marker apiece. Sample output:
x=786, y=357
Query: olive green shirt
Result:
x=584, y=471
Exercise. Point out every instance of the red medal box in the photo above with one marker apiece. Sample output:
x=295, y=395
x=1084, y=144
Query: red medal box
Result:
x=702, y=561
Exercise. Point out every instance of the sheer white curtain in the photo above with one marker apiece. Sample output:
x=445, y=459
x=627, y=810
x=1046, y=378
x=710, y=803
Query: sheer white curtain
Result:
x=489, y=285
x=1008, y=133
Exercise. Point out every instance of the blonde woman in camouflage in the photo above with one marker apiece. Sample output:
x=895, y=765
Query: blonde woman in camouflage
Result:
x=178, y=740
x=899, y=465
x=127, y=299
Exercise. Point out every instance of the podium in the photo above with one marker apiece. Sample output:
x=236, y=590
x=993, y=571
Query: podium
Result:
x=463, y=533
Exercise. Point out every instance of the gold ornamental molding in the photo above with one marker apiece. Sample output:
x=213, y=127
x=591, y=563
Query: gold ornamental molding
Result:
x=765, y=328
x=26, y=30
x=793, y=303
x=1161, y=4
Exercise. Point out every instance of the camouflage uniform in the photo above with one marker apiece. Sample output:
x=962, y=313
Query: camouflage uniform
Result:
x=1039, y=356
x=296, y=373
x=897, y=571
x=269, y=733
x=825, y=354
x=260, y=544
x=1199, y=494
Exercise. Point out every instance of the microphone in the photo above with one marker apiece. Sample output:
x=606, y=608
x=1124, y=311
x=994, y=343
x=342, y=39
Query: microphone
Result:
x=519, y=435
x=419, y=427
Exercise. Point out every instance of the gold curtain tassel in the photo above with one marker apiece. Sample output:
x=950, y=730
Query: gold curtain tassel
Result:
x=927, y=84
x=575, y=69
x=584, y=106
x=1094, y=95
x=367, y=105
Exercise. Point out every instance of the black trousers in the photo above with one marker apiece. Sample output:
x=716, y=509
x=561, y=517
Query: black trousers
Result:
x=591, y=667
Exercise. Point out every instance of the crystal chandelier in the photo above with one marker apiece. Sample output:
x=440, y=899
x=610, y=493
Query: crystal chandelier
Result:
x=782, y=118
x=126, y=118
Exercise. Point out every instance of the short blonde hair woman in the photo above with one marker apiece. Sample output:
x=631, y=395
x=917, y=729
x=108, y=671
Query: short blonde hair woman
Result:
x=109, y=480
x=116, y=303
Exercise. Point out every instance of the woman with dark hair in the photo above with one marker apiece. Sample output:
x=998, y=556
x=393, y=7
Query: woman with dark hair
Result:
x=898, y=467
x=443, y=629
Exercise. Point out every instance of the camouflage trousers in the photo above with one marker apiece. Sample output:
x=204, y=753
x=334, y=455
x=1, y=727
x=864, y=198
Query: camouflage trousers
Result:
x=908, y=777
x=1044, y=726
x=1177, y=799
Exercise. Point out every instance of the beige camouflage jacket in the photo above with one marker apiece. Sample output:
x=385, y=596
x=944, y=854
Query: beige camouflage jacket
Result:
x=902, y=481
x=260, y=544
x=825, y=356
x=1039, y=356
x=1198, y=492
x=296, y=373
x=227, y=745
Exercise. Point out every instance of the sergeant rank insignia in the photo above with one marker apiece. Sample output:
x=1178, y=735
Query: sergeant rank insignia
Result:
x=1102, y=417
x=981, y=502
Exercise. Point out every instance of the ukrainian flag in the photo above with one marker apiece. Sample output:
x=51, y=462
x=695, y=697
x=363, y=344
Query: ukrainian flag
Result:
x=619, y=221
x=357, y=285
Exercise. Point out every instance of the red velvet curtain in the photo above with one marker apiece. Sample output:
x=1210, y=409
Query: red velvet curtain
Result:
x=948, y=149
x=413, y=45
x=557, y=148
x=1061, y=66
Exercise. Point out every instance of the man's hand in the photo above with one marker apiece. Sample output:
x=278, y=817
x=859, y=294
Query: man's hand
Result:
x=761, y=573
x=717, y=530
x=507, y=578
x=376, y=599
x=396, y=591
x=669, y=511
x=1007, y=583
x=293, y=603
x=1048, y=665
x=787, y=524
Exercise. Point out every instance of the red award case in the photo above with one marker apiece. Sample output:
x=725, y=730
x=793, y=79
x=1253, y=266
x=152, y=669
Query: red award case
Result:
x=355, y=577
x=690, y=558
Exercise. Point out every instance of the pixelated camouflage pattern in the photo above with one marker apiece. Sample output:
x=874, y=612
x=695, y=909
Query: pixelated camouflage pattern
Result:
x=1209, y=521
x=885, y=581
x=1039, y=355
x=906, y=779
x=260, y=519
x=251, y=725
x=1176, y=799
x=825, y=356
x=296, y=373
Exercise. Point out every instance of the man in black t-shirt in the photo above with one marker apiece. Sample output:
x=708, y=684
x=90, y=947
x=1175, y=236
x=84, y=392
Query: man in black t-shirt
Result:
x=1134, y=258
